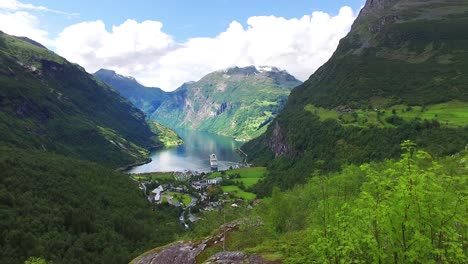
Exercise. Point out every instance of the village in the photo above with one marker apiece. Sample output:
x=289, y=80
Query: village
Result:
x=198, y=192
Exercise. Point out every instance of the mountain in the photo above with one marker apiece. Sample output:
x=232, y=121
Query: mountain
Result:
x=400, y=73
x=50, y=104
x=148, y=99
x=236, y=102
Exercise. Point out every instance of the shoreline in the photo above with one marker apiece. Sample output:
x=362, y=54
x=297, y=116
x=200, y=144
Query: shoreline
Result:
x=125, y=168
x=151, y=149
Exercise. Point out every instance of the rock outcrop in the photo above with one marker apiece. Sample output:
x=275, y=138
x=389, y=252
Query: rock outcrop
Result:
x=187, y=252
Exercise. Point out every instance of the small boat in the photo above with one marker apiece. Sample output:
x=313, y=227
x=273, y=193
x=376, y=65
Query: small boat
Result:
x=213, y=162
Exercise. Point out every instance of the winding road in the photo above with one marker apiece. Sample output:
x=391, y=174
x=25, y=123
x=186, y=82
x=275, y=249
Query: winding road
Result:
x=192, y=203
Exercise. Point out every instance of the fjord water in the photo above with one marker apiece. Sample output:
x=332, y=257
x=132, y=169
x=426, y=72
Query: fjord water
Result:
x=193, y=154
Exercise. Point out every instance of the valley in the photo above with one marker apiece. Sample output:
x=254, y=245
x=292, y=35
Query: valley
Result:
x=365, y=161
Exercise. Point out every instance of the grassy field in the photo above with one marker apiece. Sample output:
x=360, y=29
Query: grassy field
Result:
x=154, y=176
x=451, y=114
x=180, y=197
x=248, y=182
x=167, y=136
x=236, y=191
x=249, y=176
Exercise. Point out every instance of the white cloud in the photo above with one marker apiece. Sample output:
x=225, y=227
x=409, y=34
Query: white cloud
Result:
x=19, y=19
x=129, y=48
x=144, y=51
x=14, y=5
x=21, y=23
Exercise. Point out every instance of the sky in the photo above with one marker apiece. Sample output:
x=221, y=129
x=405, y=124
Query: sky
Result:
x=164, y=43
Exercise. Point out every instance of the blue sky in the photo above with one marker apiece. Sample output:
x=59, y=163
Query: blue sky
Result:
x=166, y=43
x=184, y=19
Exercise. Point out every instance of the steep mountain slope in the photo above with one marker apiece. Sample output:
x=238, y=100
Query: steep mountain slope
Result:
x=410, y=52
x=237, y=102
x=401, y=73
x=148, y=99
x=50, y=104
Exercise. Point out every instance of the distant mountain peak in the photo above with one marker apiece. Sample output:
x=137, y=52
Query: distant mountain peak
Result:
x=251, y=70
x=247, y=71
x=145, y=98
x=268, y=69
x=112, y=73
x=106, y=71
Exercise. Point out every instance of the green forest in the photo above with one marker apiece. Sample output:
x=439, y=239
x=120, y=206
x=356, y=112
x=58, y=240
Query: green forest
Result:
x=63, y=210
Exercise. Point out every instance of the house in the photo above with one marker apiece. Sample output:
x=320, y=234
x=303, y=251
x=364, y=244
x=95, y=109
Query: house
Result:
x=198, y=185
x=155, y=195
x=216, y=180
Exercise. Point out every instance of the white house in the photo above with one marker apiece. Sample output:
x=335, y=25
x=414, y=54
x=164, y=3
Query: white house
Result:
x=156, y=194
x=216, y=180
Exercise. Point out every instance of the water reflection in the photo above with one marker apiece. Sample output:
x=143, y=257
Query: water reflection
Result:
x=194, y=154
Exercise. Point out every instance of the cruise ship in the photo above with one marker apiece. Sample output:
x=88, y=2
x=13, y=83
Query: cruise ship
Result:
x=213, y=162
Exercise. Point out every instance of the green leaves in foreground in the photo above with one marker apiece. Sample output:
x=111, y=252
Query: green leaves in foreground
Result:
x=410, y=211
x=413, y=210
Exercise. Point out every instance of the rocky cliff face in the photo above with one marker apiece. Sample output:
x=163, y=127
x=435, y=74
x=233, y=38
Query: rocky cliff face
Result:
x=278, y=142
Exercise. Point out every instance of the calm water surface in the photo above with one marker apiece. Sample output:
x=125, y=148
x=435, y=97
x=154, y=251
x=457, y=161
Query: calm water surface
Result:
x=193, y=154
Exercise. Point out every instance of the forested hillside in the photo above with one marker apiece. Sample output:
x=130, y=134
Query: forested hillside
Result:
x=50, y=104
x=69, y=211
